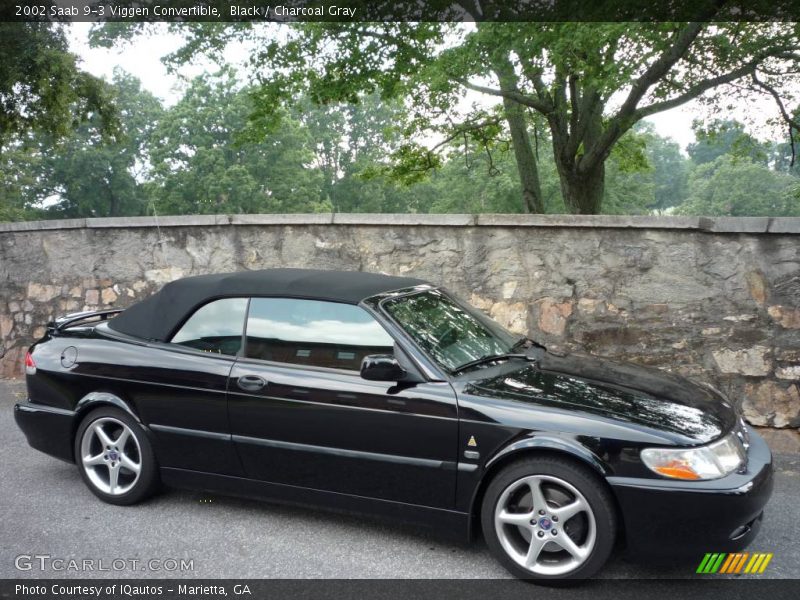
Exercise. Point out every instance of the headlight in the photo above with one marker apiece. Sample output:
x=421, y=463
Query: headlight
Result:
x=705, y=462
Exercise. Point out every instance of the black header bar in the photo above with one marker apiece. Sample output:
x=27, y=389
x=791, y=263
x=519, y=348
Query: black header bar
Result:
x=177, y=11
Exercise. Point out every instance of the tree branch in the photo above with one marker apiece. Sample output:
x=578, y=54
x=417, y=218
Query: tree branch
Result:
x=659, y=68
x=697, y=90
x=472, y=8
x=784, y=113
x=463, y=129
x=618, y=126
x=516, y=96
x=534, y=74
x=793, y=123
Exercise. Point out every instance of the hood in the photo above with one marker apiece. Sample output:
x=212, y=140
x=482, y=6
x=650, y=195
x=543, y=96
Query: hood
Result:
x=641, y=396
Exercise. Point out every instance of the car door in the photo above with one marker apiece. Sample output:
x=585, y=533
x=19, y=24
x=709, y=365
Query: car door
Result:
x=301, y=414
x=183, y=400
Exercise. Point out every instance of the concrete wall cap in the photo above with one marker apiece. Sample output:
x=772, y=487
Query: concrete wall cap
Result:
x=718, y=225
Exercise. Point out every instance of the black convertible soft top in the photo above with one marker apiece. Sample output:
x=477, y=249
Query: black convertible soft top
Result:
x=157, y=317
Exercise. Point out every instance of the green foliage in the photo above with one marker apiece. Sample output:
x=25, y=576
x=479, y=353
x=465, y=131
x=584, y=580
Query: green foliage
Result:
x=659, y=175
x=464, y=185
x=589, y=82
x=93, y=177
x=370, y=117
x=670, y=172
x=83, y=174
x=41, y=87
x=17, y=168
x=733, y=186
x=725, y=137
x=203, y=164
x=627, y=192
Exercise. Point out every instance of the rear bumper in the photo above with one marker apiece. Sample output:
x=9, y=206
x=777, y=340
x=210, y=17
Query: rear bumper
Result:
x=674, y=518
x=47, y=429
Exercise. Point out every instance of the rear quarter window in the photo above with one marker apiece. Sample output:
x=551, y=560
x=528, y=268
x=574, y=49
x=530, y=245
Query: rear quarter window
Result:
x=216, y=327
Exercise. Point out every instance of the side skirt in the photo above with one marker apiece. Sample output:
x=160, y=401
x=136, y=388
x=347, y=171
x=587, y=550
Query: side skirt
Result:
x=449, y=522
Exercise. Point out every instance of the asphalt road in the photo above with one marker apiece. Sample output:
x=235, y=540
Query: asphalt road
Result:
x=46, y=509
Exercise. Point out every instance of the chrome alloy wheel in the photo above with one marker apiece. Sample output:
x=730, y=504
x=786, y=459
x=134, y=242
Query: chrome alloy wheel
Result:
x=545, y=525
x=111, y=456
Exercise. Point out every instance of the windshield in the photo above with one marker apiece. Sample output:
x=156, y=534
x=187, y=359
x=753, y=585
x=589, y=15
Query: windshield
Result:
x=453, y=334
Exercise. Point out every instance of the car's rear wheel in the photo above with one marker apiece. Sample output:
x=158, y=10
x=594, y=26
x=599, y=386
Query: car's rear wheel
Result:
x=549, y=519
x=115, y=457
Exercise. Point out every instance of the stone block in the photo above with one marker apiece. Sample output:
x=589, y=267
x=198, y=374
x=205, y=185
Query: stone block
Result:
x=767, y=403
x=553, y=315
x=787, y=317
x=753, y=361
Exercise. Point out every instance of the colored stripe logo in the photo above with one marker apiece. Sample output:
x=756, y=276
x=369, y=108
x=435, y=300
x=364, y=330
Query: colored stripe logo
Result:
x=735, y=563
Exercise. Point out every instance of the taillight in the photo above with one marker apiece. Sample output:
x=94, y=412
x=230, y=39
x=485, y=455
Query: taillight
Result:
x=30, y=365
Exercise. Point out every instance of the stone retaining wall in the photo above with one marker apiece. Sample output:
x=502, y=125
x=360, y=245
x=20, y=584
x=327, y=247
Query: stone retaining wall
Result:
x=715, y=299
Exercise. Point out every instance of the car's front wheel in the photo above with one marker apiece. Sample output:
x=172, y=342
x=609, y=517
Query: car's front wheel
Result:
x=549, y=519
x=115, y=457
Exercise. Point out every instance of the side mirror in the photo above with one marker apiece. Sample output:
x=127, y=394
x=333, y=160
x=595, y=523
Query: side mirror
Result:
x=381, y=367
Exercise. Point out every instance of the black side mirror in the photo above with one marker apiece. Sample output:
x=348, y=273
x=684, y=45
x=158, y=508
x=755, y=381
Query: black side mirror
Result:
x=381, y=367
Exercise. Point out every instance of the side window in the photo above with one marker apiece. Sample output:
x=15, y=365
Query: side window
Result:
x=215, y=327
x=315, y=333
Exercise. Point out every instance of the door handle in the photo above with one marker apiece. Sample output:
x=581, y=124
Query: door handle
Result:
x=251, y=383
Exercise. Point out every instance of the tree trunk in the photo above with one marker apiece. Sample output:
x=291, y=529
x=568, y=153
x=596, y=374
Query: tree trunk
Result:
x=582, y=182
x=514, y=113
x=525, y=158
x=583, y=193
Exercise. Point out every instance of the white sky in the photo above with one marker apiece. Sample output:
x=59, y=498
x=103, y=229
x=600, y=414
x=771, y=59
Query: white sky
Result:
x=142, y=58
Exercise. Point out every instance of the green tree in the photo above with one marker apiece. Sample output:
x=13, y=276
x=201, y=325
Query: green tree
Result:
x=204, y=163
x=18, y=167
x=84, y=174
x=473, y=182
x=351, y=141
x=732, y=186
x=87, y=176
x=589, y=83
x=42, y=89
x=670, y=168
x=720, y=137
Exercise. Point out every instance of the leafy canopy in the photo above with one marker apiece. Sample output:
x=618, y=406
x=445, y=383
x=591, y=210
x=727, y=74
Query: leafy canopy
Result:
x=587, y=83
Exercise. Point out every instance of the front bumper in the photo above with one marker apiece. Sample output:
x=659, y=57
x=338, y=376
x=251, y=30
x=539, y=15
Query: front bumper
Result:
x=671, y=518
x=48, y=429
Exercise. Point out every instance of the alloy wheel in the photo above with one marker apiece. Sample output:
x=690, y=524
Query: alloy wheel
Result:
x=545, y=525
x=111, y=456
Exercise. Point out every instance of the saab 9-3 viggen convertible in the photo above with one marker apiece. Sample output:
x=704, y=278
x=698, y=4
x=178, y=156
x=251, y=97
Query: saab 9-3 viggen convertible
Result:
x=379, y=394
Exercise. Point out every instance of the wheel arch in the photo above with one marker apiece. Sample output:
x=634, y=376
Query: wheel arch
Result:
x=535, y=447
x=97, y=399
x=93, y=400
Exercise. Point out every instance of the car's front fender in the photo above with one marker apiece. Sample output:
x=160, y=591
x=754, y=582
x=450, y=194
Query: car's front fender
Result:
x=529, y=445
x=546, y=441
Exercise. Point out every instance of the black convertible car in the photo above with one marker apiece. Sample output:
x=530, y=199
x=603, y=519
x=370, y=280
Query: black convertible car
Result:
x=384, y=394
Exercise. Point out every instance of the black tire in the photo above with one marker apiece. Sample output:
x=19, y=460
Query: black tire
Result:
x=140, y=486
x=595, y=492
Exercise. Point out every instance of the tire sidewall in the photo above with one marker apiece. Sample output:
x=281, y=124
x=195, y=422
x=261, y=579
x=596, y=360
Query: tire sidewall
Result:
x=148, y=477
x=593, y=489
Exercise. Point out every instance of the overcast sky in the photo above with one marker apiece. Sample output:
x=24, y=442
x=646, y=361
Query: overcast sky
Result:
x=142, y=58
